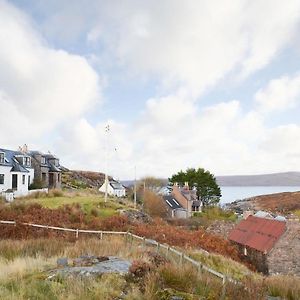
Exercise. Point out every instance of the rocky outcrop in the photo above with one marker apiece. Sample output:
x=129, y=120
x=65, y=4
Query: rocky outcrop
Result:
x=89, y=265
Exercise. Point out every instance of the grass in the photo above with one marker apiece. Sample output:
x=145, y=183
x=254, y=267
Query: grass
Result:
x=90, y=202
x=216, y=213
x=297, y=213
x=223, y=265
x=24, y=267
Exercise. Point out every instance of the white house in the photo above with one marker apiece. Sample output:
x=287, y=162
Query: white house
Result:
x=16, y=173
x=114, y=188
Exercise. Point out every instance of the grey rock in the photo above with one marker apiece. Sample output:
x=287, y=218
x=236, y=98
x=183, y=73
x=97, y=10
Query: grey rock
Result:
x=111, y=265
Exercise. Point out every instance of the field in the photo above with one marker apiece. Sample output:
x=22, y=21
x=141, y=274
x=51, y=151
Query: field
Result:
x=26, y=259
x=25, y=266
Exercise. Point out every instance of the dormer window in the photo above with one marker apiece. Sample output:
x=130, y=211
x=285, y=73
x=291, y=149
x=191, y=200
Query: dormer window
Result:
x=43, y=161
x=2, y=158
x=27, y=161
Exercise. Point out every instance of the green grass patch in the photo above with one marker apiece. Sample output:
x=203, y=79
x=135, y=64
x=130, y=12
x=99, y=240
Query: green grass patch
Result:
x=216, y=213
x=92, y=205
x=223, y=265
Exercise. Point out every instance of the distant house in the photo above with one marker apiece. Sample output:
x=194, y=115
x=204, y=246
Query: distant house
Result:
x=187, y=198
x=114, y=188
x=271, y=245
x=47, y=169
x=16, y=172
x=175, y=210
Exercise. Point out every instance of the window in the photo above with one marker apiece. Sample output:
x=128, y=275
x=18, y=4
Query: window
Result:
x=2, y=158
x=1, y=178
x=58, y=177
x=23, y=179
x=27, y=161
x=28, y=180
x=43, y=160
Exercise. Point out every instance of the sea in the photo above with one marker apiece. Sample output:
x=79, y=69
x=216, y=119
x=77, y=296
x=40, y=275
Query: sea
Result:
x=233, y=193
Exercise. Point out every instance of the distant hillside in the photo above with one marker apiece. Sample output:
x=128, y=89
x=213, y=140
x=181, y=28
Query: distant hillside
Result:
x=83, y=179
x=275, y=179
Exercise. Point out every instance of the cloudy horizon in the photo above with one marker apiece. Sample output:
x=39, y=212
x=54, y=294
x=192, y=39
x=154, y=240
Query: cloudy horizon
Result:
x=181, y=84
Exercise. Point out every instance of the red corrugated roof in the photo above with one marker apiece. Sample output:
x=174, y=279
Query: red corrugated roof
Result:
x=258, y=233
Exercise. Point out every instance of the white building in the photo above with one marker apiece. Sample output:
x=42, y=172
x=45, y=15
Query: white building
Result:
x=114, y=188
x=16, y=173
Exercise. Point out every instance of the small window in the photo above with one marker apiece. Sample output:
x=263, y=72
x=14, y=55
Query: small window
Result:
x=2, y=158
x=43, y=160
x=28, y=180
x=23, y=179
x=1, y=178
x=27, y=161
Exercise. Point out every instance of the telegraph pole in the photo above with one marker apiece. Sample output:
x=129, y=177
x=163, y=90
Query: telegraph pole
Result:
x=107, y=129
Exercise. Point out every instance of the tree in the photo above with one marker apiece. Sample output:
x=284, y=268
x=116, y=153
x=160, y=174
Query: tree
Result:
x=154, y=205
x=151, y=183
x=208, y=190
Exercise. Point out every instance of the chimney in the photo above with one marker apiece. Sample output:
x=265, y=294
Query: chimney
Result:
x=186, y=185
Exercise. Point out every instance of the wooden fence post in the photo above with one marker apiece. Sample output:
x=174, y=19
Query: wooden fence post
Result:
x=157, y=247
x=181, y=258
x=77, y=233
x=101, y=235
x=168, y=250
x=224, y=287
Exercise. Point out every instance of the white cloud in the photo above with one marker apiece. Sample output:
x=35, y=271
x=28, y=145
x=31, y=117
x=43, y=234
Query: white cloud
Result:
x=40, y=87
x=187, y=47
x=197, y=43
x=280, y=94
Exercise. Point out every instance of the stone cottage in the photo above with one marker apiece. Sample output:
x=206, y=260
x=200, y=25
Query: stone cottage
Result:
x=271, y=245
x=47, y=169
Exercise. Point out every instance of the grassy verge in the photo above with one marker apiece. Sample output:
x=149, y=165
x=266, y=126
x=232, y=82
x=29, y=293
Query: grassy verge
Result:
x=24, y=267
x=216, y=213
x=90, y=202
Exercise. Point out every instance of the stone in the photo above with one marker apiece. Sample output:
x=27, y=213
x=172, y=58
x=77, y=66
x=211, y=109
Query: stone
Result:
x=88, y=260
x=62, y=262
x=100, y=266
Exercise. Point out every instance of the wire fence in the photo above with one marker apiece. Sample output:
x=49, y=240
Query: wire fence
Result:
x=130, y=237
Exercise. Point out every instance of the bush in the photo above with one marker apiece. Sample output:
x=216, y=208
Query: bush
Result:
x=154, y=205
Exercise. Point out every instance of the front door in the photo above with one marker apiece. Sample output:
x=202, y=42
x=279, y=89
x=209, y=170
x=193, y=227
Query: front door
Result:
x=14, y=182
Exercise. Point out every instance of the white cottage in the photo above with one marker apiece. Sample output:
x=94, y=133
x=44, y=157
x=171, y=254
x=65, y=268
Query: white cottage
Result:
x=114, y=188
x=16, y=173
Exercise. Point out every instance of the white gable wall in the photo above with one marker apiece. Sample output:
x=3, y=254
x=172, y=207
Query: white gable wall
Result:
x=7, y=178
x=22, y=189
x=113, y=192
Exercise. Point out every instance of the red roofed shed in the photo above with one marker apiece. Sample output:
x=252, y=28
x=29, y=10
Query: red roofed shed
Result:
x=255, y=237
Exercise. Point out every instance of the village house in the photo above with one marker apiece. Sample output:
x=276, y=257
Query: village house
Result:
x=272, y=245
x=16, y=173
x=114, y=188
x=21, y=169
x=47, y=169
x=182, y=202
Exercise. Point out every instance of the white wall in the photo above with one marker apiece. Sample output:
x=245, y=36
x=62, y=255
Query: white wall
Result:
x=112, y=192
x=7, y=178
x=22, y=189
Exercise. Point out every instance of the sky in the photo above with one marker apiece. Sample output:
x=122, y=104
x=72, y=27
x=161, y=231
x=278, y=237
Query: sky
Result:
x=198, y=83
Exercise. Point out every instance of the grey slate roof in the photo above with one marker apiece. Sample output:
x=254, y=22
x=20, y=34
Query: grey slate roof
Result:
x=116, y=185
x=172, y=202
x=10, y=161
